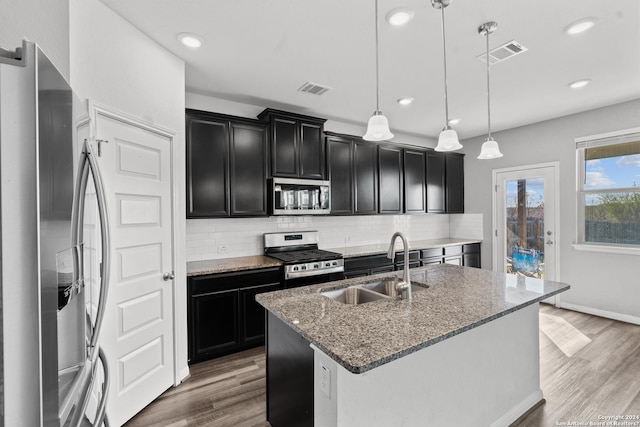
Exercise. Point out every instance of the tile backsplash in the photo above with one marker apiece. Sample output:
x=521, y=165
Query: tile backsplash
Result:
x=233, y=237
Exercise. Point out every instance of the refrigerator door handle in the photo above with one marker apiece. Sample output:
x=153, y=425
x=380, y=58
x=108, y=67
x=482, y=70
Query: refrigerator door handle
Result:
x=104, y=231
x=101, y=416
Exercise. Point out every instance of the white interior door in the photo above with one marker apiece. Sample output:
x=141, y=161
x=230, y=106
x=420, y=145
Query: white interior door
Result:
x=137, y=332
x=526, y=232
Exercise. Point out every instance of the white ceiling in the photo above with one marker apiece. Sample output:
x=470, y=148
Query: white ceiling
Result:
x=261, y=51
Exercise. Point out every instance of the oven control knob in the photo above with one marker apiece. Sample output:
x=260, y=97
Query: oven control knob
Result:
x=295, y=268
x=304, y=267
x=335, y=263
x=327, y=264
x=316, y=266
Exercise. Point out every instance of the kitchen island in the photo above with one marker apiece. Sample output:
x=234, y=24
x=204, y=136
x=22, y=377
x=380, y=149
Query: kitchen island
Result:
x=463, y=351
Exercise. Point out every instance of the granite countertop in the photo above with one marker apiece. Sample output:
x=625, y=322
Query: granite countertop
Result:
x=223, y=265
x=354, y=251
x=363, y=337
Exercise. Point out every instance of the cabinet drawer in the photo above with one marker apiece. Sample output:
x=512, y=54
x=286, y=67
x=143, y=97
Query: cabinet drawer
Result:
x=235, y=280
x=430, y=261
x=471, y=248
x=413, y=255
x=430, y=253
x=365, y=262
x=452, y=250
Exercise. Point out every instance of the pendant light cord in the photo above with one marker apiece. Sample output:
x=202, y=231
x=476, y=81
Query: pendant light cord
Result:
x=377, y=60
x=444, y=54
x=488, y=90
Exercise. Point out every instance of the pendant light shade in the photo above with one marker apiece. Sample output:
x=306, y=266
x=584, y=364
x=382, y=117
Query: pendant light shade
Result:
x=448, y=139
x=490, y=149
x=378, y=126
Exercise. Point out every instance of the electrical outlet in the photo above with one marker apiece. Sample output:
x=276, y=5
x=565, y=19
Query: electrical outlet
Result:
x=325, y=380
x=222, y=249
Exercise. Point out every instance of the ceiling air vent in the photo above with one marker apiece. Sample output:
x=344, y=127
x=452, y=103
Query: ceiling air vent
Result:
x=313, y=88
x=504, y=52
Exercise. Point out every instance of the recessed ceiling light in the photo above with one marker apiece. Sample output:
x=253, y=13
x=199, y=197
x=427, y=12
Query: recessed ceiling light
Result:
x=579, y=84
x=191, y=40
x=454, y=121
x=580, y=26
x=405, y=101
x=399, y=16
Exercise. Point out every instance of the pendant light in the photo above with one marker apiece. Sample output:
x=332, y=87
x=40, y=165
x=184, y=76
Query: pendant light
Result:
x=448, y=139
x=490, y=149
x=378, y=126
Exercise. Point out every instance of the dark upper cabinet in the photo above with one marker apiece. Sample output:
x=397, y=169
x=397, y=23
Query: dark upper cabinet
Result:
x=436, y=190
x=390, y=179
x=340, y=174
x=247, y=169
x=297, y=144
x=353, y=171
x=226, y=166
x=365, y=178
x=455, y=183
x=445, y=183
x=414, y=181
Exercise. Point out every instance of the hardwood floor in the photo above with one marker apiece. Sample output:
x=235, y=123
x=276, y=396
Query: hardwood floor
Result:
x=590, y=367
x=225, y=392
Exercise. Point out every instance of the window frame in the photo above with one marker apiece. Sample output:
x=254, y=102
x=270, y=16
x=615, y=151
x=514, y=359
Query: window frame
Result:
x=610, y=138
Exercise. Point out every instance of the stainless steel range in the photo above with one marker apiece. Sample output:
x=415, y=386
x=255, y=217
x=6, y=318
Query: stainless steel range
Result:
x=304, y=263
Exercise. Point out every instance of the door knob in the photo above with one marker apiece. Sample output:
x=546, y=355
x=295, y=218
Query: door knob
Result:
x=168, y=276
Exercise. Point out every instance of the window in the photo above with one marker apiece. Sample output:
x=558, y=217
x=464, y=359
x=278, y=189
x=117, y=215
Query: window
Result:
x=609, y=190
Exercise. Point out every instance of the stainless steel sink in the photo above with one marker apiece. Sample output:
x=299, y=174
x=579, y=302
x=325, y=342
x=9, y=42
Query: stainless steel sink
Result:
x=354, y=295
x=370, y=291
x=387, y=286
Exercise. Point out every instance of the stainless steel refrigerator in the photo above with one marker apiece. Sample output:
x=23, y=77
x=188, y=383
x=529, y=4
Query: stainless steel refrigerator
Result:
x=54, y=257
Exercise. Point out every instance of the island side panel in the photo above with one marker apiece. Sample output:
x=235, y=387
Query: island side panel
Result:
x=488, y=376
x=289, y=376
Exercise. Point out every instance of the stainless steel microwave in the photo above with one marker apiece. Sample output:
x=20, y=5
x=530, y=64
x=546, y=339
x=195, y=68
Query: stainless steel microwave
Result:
x=290, y=196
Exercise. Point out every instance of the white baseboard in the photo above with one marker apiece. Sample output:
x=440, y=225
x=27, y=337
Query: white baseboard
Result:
x=517, y=411
x=602, y=313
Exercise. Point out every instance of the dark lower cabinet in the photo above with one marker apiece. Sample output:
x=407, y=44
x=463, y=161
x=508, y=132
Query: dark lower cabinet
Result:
x=223, y=315
x=289, y=376
x=367, y=265
x=471, y=255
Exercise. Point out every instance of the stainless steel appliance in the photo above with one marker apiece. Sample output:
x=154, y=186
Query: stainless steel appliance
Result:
x=304, y=263
x=291, y=196
x=54, y=259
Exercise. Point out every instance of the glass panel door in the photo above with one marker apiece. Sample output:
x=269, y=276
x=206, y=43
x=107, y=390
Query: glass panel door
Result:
x=525, y=221
x=525, y=227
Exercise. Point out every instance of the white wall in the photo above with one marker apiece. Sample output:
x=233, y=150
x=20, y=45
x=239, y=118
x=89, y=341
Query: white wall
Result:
x=116, y=65
x=601, y=283
x=43, y=22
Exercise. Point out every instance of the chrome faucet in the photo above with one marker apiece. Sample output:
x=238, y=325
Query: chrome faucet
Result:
x=404, y=287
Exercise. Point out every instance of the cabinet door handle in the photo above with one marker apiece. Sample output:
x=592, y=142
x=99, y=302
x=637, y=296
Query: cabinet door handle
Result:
x=168, y=276
x=549, y=242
